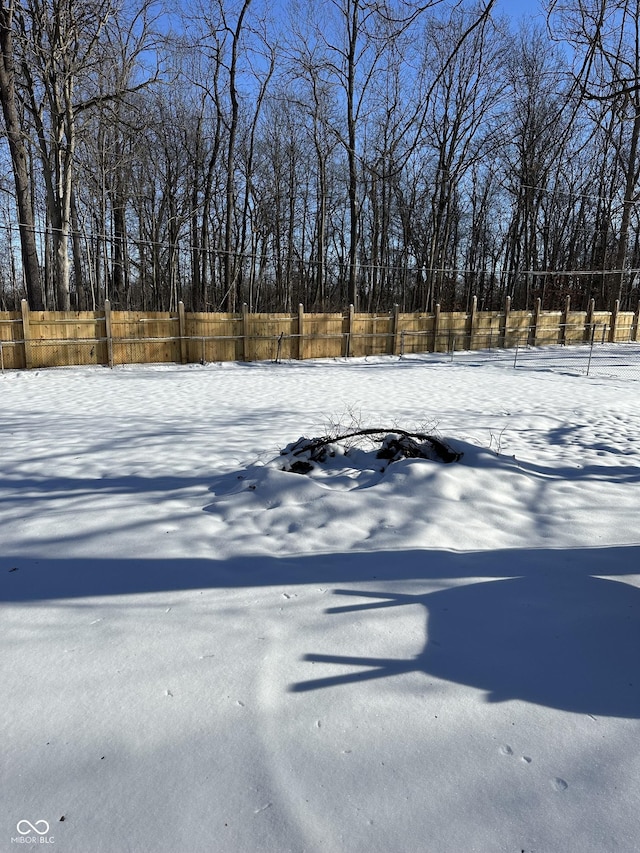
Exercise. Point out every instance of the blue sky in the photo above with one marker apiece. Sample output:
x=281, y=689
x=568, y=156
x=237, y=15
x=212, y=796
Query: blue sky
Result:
x=518, y=8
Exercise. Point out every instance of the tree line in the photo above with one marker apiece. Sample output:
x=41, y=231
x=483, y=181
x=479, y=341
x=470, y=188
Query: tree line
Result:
x=365, y=152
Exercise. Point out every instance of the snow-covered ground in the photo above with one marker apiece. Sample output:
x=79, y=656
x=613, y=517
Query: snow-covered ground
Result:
x=201, y=651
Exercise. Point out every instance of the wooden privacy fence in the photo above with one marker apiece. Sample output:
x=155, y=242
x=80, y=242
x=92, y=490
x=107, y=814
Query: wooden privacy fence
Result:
x=60, y=338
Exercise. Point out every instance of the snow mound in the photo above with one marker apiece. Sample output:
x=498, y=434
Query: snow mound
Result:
x=368, y=451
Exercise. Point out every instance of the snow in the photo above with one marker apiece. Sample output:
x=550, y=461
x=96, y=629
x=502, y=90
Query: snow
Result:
x=201, y=651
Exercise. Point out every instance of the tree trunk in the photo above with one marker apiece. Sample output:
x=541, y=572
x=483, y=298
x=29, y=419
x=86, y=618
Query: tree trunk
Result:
x=229, y=259
x=19, y=161
x=629, y=201
x=352, y=289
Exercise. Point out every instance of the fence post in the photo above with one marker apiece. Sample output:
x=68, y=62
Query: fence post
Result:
x=301, y=331
x=182, y=331
x=395, y=318
x=635, y=329
x=108, y=332
x=245, y=332
x=26, y=333
x=436, y=326
x=536, y=321
x=349, y=330
x=614, y=321
x=505, y=328
x=588, y=331
x=565, y=320
x=472, y=321
x=593, y=334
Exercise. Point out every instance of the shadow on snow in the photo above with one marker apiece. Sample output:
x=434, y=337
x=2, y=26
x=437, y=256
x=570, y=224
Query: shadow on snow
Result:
x=550, y=627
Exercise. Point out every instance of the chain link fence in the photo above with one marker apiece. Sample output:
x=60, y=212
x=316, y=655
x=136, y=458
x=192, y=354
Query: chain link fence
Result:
x=595, y=357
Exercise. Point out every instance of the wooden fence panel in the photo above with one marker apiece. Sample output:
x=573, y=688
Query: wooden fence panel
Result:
x=371, y=335
x=145, y=337
x=263, y=332
x=213, y=337
x=548, y=329
x=601, y=320
x=325, y=335
x=417, y=333
x=11, y=341
x=517, y=331
x=575, y=330
x=456, y=331
x=487, y=330
x=56, y=338
x=625, y=326
x=65, y=338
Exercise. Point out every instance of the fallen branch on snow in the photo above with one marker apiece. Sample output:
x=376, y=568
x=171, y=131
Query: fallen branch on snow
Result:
x=395, y=444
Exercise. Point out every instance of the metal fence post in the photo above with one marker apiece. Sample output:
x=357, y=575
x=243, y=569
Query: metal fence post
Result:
x=279, y=347
x=589, y=319
x=536, y=322
x=182, y=332
x=436, y=326
x=301, y=347
x=245, y=332
x=108, y=332
x=473, y=321
x=593, y=336
x=395, y=318
x=26, y=334
x=349, y=330
x=614, y=321
x=505, y=329
x=565, y=321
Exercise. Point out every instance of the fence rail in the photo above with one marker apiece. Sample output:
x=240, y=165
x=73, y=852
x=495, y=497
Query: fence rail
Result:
x=55, y=338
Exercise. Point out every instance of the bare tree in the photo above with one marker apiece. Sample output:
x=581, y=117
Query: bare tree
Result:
x=605, y=38
x=539, y=121
x=463, y=125
x=244, y=58
x=19, y=156
x=64, y=48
